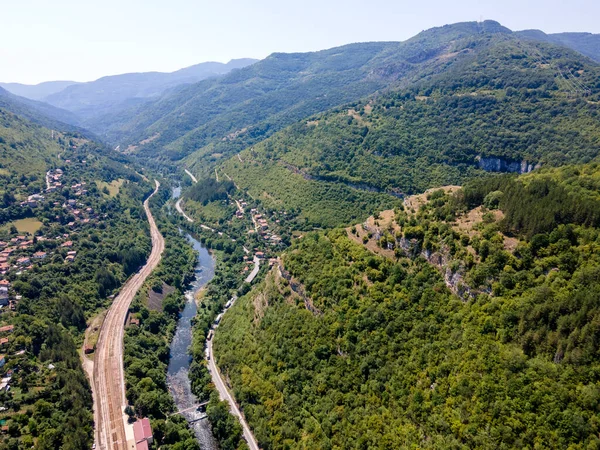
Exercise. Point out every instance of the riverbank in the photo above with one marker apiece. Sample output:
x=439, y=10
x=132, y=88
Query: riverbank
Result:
x=178, y=380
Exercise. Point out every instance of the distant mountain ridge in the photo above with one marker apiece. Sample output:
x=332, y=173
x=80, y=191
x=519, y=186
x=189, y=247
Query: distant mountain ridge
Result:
x=41, y=113
x=106, y=93
x=117, y=91
x=587, y=44
x=37, y=91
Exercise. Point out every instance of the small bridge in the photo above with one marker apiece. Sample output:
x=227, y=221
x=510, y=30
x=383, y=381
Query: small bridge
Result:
x=198, y=407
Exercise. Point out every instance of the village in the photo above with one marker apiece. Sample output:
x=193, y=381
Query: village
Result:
x=261, y=229
x=23, y=252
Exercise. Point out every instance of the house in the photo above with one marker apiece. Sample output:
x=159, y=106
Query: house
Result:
x=67, y=244
x=5, y=283
x=35, y=198
x=39, y=255
x=4, y=267
x=142, y=432
x=3, y=341
x=72, y=253
x=23, y=261
x=25, y=244
x=7, y=329
x=70, y=258
x=260, y=255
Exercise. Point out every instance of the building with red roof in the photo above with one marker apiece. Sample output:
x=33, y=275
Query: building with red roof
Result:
x=142, y=432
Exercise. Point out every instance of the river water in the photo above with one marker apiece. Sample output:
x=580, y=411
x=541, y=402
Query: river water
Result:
x=179, y=364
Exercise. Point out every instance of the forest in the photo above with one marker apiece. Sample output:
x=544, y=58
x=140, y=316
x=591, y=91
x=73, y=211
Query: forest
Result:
x=397, y=359
x=519, y=114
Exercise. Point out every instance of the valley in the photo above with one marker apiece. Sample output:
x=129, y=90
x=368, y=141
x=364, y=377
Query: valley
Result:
x=379, y=245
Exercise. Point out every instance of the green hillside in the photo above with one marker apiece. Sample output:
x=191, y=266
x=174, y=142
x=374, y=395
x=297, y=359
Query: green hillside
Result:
x=433, y=331
x=26, y=148
x=587, y=44
x=218, y=116
x=503, y=108
x=63, y=255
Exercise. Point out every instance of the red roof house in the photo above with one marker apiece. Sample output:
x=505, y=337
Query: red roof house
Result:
x=142, y=431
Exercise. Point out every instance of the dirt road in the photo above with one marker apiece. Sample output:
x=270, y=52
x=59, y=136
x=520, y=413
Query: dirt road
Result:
x=112, y=431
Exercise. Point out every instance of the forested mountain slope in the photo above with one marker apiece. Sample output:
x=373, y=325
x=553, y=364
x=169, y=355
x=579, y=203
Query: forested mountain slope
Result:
x=505, y=107
x=366, y=343
x=217, y=116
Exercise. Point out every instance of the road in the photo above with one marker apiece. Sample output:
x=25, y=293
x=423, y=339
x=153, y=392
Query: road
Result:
x=191, y=176
x=178, y=208
x=254, y=272
x=226, y=395
x=112, y=431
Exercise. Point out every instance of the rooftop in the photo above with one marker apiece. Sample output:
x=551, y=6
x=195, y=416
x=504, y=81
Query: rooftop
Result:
x=142, y=430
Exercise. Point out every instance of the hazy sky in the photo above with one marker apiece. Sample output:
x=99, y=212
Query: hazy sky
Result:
x=83, y=40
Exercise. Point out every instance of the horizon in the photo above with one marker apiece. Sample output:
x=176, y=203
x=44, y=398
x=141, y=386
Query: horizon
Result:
x=60, y=43
x=259, y=59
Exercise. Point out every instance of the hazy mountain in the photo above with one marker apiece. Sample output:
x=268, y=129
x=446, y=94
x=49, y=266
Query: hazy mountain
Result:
x=36, y=91
x=39, y=112
x=587, y=44
x=118, y=91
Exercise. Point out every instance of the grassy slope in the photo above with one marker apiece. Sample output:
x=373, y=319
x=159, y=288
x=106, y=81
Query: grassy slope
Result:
x=26, y=148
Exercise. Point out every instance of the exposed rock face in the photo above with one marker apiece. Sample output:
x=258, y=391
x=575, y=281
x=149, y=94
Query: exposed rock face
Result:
x=504, y=165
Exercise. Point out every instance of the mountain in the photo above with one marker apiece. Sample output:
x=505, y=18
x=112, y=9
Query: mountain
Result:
x=216, y=116
x=40, y=113
x=110, y=93
x=36, y=91
x=587, y=44
x=505, y=106
x=444, y=326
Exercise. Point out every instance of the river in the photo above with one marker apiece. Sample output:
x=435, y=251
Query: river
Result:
x=179, y=364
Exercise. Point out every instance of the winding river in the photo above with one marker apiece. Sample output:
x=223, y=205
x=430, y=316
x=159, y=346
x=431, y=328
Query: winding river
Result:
x=179, y=364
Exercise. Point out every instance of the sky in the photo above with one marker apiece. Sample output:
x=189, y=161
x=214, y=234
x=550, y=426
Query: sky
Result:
x=82, y=40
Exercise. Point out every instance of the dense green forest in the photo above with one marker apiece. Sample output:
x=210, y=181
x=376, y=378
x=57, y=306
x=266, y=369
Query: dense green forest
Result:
x=396, y=359
x=462, y=318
